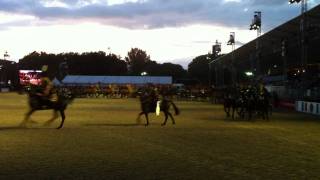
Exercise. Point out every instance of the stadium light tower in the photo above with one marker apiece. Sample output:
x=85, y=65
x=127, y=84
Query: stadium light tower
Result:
x=216, y=49
x=303, y=26
x=6, y=55
x=232, y=40
x=256, y=22
x=256, y=25
x=232, y=43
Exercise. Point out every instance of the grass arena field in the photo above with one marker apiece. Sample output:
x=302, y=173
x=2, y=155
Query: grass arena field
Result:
x=101, y=140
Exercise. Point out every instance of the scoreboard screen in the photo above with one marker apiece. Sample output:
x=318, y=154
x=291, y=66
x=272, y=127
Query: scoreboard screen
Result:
x=28, y=77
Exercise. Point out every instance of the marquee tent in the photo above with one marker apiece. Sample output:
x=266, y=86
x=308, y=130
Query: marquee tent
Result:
x=137, y=80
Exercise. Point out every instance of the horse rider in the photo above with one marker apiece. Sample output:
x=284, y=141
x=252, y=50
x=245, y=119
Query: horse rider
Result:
x=46, y=86
x=154, y=95
x=263, y=92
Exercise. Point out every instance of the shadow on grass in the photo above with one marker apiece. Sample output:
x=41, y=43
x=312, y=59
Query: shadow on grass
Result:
x=11, y=128
x=124, y=124
x=23, y=128
x=117, y=125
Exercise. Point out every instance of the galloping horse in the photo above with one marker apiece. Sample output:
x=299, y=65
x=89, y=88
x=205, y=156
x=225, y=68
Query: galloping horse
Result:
x=149, y=105
x=64, y=97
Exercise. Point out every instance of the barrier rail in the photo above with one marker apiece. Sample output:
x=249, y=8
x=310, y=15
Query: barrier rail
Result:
x=308, y=107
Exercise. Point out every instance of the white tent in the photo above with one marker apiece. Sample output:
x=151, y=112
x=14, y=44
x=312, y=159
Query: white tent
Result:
x=138, y=80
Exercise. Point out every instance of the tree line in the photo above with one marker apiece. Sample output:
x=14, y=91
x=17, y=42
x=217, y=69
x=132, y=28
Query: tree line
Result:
x=101, y=63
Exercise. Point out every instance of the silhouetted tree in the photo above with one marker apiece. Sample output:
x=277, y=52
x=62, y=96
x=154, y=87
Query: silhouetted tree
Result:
x=89, y=63
x=100, y=63
x=199, y=69
x=137, y=60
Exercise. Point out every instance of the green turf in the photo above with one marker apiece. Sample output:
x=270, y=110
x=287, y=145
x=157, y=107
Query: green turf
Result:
x=100, y=140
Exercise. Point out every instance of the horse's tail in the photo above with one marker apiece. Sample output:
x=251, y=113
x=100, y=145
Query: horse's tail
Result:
x=176, y=109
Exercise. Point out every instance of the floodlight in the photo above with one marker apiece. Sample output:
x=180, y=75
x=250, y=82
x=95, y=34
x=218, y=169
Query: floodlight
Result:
x=256, y=21
x=231, y=39
x=294, y=1
x=249, y=73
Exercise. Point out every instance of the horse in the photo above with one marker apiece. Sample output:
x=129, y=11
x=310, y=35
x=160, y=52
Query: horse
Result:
x=228, y=104
x=149, y=105
x=234, y=105
x=232, y=102
x=263, y=106
x=64, y=98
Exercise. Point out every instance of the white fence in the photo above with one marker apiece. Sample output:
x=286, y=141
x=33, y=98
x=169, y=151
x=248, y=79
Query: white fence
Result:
x=308, y=107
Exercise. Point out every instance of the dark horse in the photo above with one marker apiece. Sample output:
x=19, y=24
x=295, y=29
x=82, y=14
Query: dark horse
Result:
x=233, y=104
x=149, y=105
x=64, y=97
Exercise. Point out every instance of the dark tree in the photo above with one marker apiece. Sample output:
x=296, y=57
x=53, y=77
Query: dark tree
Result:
x=89, y=63
x=199, y=69
x=137, y=60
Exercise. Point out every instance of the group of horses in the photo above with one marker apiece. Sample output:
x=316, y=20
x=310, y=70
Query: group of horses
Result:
x=247, y=103
x=63, y=97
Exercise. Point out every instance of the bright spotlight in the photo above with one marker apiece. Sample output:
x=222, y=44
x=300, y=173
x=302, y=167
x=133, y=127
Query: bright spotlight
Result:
x=249, y=73
x=256, y=21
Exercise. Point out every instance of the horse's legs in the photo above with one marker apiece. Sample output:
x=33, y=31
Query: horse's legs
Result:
x=147, y=118
x=138, y=118
x=270, y=109
x=165, y=119
x=233, y=109
x=173, y=122
x=167, y=114
x=55, y=116
x=266, y=110
x=63, y=117
x=26, y=119
x=146, y=115
x=227, y=110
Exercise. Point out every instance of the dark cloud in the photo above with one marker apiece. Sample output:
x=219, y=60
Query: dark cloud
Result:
x=161, y=13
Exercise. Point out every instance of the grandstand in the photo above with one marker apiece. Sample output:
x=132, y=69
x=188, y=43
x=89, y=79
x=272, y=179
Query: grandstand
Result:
x=276, y=57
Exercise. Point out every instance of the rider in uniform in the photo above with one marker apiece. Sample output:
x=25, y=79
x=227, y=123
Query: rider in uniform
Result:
x=45, y=89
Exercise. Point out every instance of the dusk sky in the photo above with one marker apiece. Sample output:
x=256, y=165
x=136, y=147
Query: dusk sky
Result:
x=168, y=30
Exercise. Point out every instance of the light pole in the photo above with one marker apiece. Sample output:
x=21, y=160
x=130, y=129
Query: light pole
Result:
x=284, y=56
x=256, y=25
x=232, y=43
x=216, y=49
x=303, y=26
x=1, y=78
x=209, y=58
